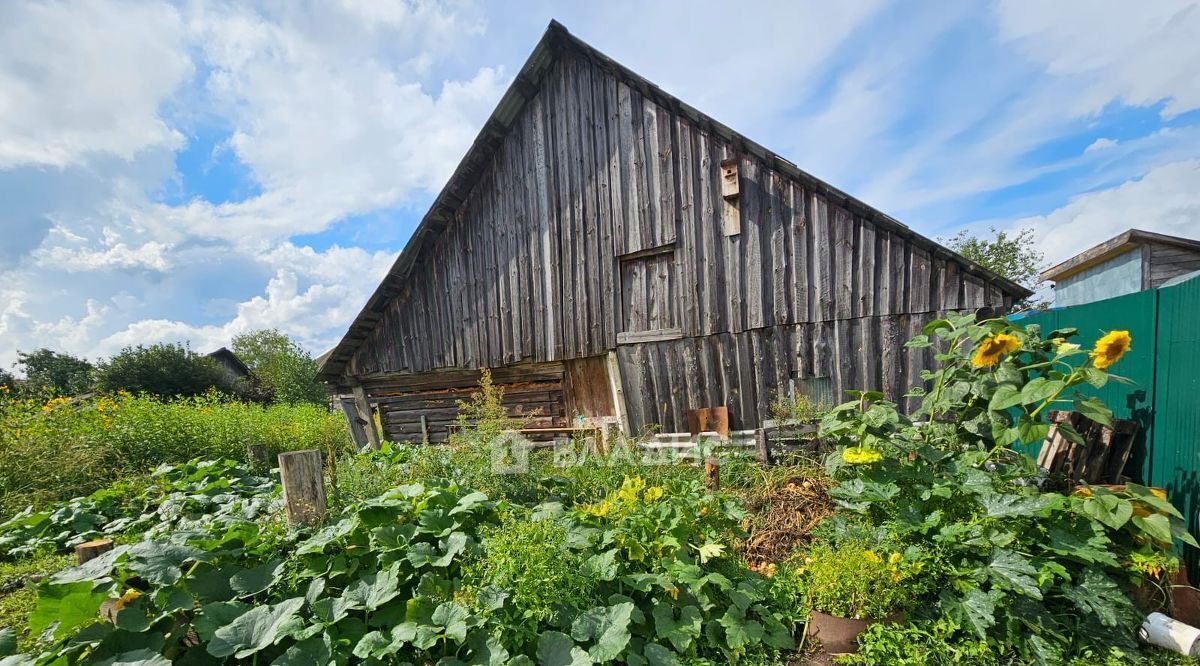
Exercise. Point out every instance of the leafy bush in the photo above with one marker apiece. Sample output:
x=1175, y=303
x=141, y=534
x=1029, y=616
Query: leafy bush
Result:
x=532, y=560
x=282, y=369
x=56, y=373
x=853, y=580
x=60, y=449
x=163, y=370
x=1037, y=573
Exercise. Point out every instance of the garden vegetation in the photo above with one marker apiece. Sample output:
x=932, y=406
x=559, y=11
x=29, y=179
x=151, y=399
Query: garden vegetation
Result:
x=429, y=556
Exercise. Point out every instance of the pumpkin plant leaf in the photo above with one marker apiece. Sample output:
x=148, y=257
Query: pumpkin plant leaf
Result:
x=256, y=629
x=557, y=649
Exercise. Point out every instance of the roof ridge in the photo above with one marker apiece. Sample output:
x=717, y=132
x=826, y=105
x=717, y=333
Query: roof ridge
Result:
x=549, y=49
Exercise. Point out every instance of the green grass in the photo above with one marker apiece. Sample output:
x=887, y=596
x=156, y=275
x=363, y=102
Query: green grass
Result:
x=58, y=449
x=17, y=590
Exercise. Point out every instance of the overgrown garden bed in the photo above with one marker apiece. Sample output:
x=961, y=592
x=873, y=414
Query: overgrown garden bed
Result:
x=428, y=556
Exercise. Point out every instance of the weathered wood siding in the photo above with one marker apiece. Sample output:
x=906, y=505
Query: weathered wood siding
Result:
x=598, y=223
x=1168, y=261
x=533, y=391
x=592, y=170
x=747, y=371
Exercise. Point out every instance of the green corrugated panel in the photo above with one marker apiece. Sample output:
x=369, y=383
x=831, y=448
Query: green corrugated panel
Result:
x=1165, y=363
x=1136, y=314
x=1175, y=454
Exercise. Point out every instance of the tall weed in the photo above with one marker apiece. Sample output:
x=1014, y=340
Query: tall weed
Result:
x=62, y=448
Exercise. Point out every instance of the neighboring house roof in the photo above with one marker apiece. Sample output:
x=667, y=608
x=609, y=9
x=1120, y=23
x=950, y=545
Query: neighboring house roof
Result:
x=525, y=86
x=1112, y=247
x=229, y=358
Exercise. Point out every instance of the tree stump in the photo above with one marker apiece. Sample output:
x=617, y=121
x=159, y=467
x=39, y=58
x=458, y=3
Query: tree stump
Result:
x=303, y=487
x=256, y=455
x=92, y=549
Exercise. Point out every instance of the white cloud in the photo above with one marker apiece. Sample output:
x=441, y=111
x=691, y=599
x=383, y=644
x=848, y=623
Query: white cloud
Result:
x=89, y=77
x=312, y=296
x=1140, y=53
x=1165, y=200
x=1099, y=144
x=333, y=108
x=330, y=128
x=347, y=108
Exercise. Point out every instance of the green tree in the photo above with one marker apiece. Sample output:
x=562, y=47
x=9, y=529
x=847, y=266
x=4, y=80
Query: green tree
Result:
x=1011, y=255
x=7, y=380
x=164, y=370
x=283, y=370
x=56, y=372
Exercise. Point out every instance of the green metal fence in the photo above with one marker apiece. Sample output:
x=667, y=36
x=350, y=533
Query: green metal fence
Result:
x=1164, y=363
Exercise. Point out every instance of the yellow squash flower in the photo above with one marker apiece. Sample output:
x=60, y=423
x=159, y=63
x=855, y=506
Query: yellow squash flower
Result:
x=857, y=455
x=993, y=347
x=126, y=598
x=1110, y=348
x=652, y=493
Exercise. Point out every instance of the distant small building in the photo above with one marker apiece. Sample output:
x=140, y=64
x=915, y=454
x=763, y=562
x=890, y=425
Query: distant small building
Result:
x=233, y=366
x=1133, y=261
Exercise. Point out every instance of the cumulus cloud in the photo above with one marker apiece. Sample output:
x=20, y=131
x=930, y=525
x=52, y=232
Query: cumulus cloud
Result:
x=332, y=108
x=1165, y=200
x=329, y=128
x=330, y=112
x=85, y=78
x=311, y=296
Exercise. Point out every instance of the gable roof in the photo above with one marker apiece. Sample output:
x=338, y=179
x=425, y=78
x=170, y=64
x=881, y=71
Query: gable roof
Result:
x=1112, y=247
x=227, y=355
x=554, y=42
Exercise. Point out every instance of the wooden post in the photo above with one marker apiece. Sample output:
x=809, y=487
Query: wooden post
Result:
x=763, y=447
x=256, y=455
x=363, y=407
x=303, y=487
x=424, y=430
x=92, y=549
x=712, y=474
x=618, y=393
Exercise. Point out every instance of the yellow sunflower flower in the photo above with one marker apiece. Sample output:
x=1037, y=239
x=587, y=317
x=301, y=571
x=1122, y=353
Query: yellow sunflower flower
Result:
x=1110, y=348
x=993, y=347
x=857, y=455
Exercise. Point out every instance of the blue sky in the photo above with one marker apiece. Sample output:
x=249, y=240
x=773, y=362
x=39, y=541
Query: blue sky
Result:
x=185, y=171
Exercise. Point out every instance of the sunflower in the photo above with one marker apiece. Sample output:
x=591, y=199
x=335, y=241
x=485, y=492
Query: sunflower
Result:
x=1110, y=348
x=857, y=455
x=993, y=347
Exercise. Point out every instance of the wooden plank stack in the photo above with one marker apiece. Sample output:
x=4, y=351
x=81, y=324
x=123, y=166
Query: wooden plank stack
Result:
x=1100, y=459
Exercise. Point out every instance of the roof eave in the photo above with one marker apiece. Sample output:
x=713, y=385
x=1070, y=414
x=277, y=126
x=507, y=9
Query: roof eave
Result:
x=1113, y=247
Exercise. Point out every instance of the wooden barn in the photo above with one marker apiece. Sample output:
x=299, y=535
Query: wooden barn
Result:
x=610, y=252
